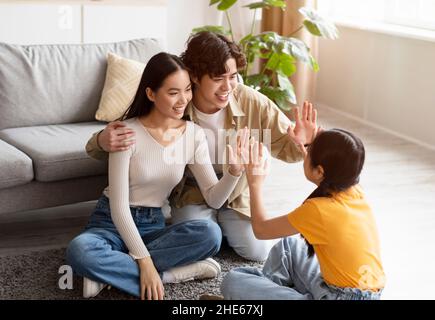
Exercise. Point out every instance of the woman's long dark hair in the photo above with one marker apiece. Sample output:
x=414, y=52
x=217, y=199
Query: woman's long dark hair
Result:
x=158, y=68
x=341, y=155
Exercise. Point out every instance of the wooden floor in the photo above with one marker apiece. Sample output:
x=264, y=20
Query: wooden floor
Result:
x=398, y=178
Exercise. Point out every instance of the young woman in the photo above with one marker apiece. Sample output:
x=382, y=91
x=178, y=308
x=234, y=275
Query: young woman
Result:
x=340, y=258
x=126, y=243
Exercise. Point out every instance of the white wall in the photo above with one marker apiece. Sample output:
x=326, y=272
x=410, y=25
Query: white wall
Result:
x=384, y=79
x=117, y=23
x=40, y=23
x=54, y=22
x=46, y=22
x=183, y=16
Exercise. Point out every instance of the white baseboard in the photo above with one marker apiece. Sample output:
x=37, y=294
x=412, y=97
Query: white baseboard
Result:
x=376, y=126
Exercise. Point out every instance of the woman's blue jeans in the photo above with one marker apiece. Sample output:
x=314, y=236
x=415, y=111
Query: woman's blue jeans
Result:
x=288, y=274
x=100, y=254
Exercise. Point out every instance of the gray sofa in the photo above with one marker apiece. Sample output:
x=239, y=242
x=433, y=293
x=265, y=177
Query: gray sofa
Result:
x=48, y=98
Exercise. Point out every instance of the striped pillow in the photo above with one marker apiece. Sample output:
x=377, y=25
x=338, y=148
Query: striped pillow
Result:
x=122, y=80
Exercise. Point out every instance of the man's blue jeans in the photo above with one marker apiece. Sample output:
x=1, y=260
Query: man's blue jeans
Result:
x=100, y=254
x=288, y=274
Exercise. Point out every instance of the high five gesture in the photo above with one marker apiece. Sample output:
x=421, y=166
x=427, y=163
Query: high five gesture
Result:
x=305, y=129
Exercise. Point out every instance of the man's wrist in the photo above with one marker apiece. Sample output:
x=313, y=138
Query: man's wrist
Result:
x=98, y=143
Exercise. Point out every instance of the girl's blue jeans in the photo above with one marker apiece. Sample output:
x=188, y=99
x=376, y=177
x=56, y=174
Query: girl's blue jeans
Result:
x=288, y=274
x=100, y=254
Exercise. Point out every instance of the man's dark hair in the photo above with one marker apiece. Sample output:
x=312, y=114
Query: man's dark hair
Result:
x=207, y=53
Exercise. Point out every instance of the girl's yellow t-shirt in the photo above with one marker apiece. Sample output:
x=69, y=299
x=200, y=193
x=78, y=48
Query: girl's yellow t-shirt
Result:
x=344, y=235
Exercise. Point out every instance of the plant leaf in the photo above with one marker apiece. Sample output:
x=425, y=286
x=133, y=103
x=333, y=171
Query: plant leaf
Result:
x=269, y=38
x=266, y=4
x=245, y=39
x=273, y=62
x=277, y=3
x=298, y=49
x=215, y=29
x=312, y=28
x=287, y=65
x=286, y=85
x=281, y=63
x=277, y=95
x=314, y=65
x=318, y=25
x=254, y=46
x=256, y=5
x=226, y=4
x=256, y=80
x=212, y=2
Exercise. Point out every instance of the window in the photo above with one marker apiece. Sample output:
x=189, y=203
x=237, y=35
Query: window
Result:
x=410, y=13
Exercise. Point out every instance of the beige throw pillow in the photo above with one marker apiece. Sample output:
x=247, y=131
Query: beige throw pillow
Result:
x=122, y=80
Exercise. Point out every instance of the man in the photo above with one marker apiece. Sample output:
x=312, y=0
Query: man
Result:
x=221, y=104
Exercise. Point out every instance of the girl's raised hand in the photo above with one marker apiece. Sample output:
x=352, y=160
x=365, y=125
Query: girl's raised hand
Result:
x=306, y=128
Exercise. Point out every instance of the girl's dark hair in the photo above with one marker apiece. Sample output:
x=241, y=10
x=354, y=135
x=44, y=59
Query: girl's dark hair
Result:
x=207, y=53
x=341, y=155
x=158, y=68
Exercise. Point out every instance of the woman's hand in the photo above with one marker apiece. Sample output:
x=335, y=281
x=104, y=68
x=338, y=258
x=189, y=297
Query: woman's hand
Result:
x=238, y=159
x=151, y=286
x=258, y=165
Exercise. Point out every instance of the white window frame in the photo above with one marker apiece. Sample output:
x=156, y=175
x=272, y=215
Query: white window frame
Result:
x=385, y=15
x=381, y=21
x=416, y=22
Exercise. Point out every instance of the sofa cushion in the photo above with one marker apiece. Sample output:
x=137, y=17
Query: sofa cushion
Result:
x=57, y=84
x=58, y=151
x=15, y=166
x=122, y=80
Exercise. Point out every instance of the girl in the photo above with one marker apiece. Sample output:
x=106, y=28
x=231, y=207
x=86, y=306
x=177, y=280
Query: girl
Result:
x=126, y=243
x=340, y=257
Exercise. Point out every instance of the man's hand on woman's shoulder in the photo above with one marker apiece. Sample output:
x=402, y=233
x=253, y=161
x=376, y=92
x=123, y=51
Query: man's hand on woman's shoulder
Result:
x=116, y=137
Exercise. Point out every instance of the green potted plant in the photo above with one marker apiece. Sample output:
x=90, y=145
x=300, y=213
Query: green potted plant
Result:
x=279, y=54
